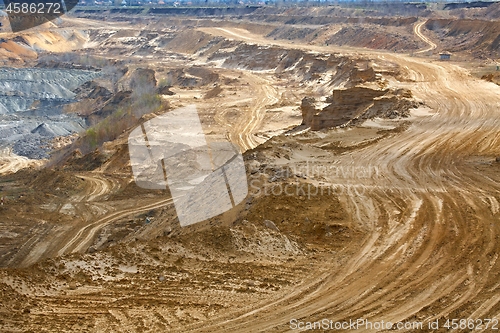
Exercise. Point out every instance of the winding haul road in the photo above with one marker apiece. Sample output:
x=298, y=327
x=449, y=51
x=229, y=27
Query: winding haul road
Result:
x=431, y=219
x=417, y=29
x=84, y=237
x=265, y=94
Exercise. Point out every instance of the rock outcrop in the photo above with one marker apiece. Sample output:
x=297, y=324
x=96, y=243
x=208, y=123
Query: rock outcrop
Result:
x=359, y=75
x=141, y=77
x=354, y=104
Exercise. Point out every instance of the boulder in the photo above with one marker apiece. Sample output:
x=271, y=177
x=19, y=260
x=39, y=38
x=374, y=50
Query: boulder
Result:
x=165, y=91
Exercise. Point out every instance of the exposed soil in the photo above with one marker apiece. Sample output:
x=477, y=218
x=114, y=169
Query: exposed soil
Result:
x=387, y=210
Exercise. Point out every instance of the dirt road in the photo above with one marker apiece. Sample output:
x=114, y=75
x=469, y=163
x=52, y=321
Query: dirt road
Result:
x=46, y=239
x=69, y=239
x=83, y=237
x=432, y=217
x=97, y=187
x=417, y=29
x=265, y=94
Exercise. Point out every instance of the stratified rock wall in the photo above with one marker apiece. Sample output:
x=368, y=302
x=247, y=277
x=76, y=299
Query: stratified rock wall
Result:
x=354, y=104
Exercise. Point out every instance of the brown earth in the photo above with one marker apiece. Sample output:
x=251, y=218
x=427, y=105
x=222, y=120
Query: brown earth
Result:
x=393, y=219
x=356, y=104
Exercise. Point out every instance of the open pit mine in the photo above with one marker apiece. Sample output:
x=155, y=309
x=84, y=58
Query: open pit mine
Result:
x=251, y=168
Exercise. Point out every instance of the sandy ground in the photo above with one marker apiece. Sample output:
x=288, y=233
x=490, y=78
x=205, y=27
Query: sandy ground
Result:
x=10, y=162
x=423, y=243
x=426, y=215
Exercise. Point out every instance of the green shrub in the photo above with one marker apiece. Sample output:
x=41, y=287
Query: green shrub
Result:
x=119, y=121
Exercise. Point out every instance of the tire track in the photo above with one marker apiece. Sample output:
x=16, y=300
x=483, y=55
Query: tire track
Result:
x=417, y=29
x=85, y=235
x=430, y=260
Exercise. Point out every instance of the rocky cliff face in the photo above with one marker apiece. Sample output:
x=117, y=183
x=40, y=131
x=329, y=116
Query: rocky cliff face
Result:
x=359, y=75
x=355, y=104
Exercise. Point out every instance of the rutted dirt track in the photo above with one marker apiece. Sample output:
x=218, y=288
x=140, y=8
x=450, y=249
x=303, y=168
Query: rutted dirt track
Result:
x=431, y=225
x=98, y=186
x=265, y=94
x=96, y=214
x=87, y=203
x=84, y=236
x=432, y=219
x=418, y=31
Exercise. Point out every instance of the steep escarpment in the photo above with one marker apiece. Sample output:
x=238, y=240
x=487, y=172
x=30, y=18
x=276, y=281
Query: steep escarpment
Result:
x=30, y=88
x=353, y=105
x=479, y=37
x=392, y=11
x=306, y=67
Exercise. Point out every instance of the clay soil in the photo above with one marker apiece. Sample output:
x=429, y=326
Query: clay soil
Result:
x=389, y=218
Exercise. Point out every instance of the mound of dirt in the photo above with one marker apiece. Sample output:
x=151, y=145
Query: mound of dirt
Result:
x=44, y=130
x=26, y=48
x=189, y=41
x=374, y=38
x=214, y=92
x=191, y=77
x=18, y=49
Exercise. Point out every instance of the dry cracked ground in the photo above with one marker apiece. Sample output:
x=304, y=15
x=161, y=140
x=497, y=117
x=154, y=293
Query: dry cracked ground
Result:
x=371, y=165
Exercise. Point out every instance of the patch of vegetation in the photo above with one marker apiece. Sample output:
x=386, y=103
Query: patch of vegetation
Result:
x=117, y=123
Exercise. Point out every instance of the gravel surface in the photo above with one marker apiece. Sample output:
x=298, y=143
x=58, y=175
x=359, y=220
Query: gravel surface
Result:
x=31, y=108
